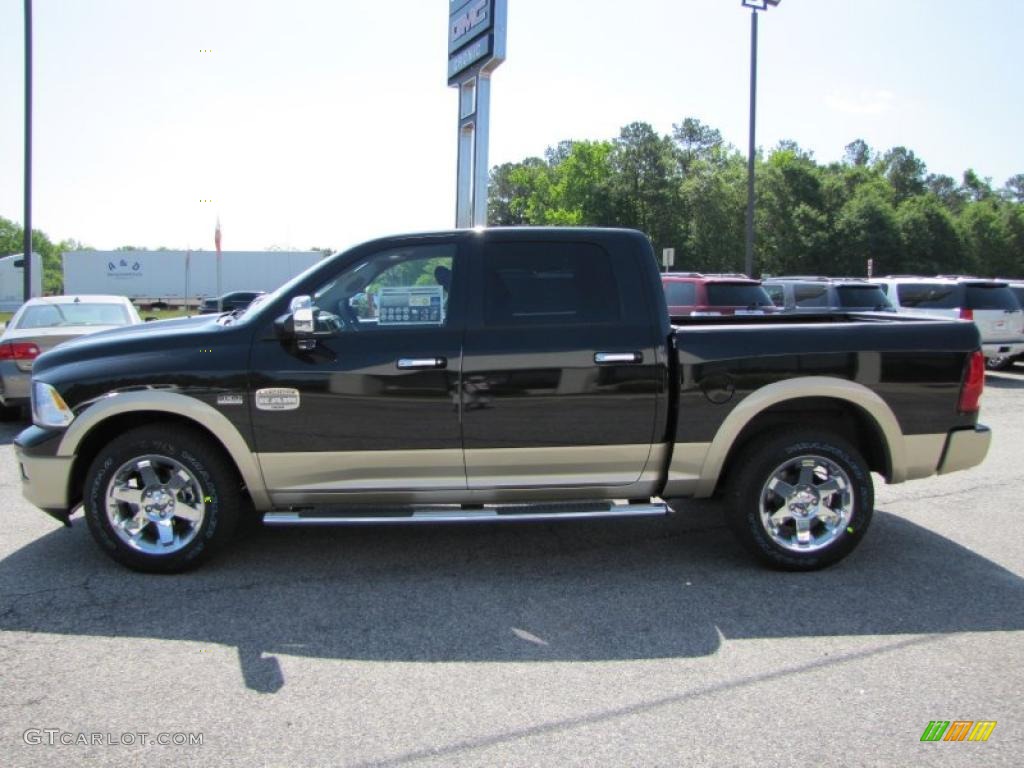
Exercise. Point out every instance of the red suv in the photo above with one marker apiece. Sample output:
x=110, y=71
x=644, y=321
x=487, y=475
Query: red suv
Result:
x=691, y=293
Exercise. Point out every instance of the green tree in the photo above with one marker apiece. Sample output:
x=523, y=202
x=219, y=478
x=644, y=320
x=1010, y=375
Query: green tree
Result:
x=866, y=228
x=931, y=243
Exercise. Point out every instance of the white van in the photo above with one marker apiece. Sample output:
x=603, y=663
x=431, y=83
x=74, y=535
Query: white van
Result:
x=989, y=303
x=12, y=277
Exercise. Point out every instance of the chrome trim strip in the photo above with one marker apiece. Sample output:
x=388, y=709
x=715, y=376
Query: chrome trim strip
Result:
x=639, y=490
x=464, y=516
x=181, y=405
x=421, y=363
x=604, y=358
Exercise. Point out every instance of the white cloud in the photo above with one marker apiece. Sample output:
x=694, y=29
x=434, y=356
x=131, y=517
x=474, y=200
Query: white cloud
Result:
x=861, y=103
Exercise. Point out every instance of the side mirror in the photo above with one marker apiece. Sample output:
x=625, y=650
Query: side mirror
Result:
x=302, y=316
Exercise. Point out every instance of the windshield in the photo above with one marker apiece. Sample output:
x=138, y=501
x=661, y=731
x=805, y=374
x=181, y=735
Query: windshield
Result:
x=737, y=295
x=869, y=296
x=54, y=315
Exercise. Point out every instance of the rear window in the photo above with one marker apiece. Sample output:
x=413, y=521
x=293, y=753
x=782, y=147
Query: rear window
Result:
x=549, y=283
x=57, y=315
x=930, y=295
x=870, y=296
x=737, y=295
x=991, y=297
x=811, y=295
x=1018, y=292
x=680, y=294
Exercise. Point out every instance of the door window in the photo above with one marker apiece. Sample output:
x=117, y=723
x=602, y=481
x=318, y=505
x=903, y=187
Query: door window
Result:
x=810, y=295
x=401, y=288
x=549, y=284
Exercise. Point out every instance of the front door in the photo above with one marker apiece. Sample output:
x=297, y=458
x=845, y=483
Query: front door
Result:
x=371, y=411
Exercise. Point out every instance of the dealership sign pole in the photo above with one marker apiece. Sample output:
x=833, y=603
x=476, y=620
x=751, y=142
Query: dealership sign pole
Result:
x=476, y=46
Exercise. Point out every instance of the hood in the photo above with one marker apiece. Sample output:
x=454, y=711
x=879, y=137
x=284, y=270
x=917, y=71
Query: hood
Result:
x=162, y=335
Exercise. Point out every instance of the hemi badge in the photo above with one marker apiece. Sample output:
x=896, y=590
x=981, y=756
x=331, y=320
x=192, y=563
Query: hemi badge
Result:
x=277, y=399
x=229, y=400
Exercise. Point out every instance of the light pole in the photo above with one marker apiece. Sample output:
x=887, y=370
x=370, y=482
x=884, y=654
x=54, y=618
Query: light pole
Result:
x=27, y=275
x=754, y=6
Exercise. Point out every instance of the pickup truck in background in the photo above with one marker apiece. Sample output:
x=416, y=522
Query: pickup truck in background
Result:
x=494, y=375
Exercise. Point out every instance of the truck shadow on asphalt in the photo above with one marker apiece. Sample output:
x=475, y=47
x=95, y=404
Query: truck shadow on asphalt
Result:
x=575, y=591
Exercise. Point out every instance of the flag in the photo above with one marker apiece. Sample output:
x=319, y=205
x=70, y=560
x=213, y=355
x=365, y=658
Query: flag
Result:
x=216, y=235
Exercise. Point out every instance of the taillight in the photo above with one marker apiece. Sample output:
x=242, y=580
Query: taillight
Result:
x=966, y=314
x=19, y=350
x=973, y=385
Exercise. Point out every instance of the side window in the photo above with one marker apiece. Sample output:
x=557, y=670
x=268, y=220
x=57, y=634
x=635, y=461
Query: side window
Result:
x=810, y=295
x=777, y=294
x=404, y=288
x=929, y=295
x=678, y=294
x=549, y=284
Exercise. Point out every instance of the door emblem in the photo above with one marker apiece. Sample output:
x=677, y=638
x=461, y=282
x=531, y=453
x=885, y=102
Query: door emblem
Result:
x=229, y=400
x=277, y=399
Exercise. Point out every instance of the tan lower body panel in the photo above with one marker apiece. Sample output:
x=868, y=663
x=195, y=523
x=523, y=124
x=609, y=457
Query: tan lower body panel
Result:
x=924, y=452
x=357, y=471
x=439, y=476
x=598, y=465
x=684, y=472
x=966, y=448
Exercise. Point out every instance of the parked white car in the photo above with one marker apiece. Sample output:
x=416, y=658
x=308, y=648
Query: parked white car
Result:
x=989, y=303
x=42, y=324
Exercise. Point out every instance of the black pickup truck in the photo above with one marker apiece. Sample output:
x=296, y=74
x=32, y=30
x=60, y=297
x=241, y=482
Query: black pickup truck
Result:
x=493, y=375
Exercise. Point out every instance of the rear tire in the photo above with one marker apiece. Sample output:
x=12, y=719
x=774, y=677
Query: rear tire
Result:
x=802, y=500
x=161, y=498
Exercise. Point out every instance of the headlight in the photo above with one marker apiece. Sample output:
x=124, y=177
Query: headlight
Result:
x=48, y=407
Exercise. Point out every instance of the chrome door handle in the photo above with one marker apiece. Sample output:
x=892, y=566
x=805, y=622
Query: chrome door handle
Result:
x=421, y=363
x=609, y=358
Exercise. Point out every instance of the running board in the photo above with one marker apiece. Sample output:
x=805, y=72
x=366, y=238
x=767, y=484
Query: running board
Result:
x=456, y=514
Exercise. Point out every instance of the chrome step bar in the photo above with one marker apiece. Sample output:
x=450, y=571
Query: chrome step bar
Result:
x=456, y=514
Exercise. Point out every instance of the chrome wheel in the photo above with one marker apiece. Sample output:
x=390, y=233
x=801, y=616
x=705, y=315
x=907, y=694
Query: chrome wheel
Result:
x=807, y=503
x=155, y=505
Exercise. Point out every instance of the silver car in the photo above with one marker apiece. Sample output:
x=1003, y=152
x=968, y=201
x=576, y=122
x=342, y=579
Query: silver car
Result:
x=42, y=324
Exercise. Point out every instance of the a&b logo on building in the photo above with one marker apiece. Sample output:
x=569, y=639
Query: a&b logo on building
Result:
x=958, y=730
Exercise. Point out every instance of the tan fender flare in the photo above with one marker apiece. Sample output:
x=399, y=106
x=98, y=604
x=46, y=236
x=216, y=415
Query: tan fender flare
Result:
x=177, y=404
x=793, y=389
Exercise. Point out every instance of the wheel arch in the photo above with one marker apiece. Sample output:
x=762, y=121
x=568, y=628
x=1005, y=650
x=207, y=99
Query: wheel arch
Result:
x=852, y=410
x=119, y=412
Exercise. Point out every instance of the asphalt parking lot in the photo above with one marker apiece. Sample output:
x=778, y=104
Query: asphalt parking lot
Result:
x=652, y=642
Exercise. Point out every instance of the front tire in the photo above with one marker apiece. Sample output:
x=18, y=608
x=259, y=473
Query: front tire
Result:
x=802, y=500
x=161, y=498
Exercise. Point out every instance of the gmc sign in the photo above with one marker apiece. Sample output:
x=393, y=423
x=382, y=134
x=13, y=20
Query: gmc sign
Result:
x=476, y=37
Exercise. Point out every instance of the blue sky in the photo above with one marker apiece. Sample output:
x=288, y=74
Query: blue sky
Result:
x=326, y=122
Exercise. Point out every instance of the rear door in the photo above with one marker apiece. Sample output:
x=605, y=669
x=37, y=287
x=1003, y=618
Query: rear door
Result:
x=560, y=376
